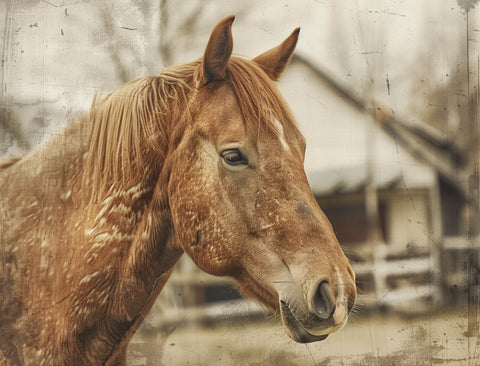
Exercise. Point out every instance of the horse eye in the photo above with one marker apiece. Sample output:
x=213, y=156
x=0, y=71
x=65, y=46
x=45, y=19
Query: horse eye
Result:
x=234, y=157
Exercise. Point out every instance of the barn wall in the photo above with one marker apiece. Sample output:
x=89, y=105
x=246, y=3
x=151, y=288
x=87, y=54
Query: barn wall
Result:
x=407, y=218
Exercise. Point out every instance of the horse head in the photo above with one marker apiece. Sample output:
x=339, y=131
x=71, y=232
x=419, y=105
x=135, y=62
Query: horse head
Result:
x=239, y=197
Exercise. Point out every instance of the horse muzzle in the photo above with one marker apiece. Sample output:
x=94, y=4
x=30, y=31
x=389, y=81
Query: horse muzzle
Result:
x=313, y=320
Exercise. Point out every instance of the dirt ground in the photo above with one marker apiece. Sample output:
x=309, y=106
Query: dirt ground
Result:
x=368, y=339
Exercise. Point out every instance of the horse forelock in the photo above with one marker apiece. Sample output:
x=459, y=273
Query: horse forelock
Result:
x=261, y=104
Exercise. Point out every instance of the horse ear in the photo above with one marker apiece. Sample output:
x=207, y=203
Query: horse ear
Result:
x=218, y=51
x=274, y=61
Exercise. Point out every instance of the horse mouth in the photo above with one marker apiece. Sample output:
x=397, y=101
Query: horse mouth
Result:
x=295, y=330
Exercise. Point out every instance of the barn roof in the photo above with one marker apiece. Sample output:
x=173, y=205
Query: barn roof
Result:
x=351, y=142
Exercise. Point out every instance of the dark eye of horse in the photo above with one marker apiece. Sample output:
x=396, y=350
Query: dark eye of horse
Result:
x=234, y=157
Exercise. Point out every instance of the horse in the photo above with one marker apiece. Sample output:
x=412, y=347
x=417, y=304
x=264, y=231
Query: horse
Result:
x=205, y=159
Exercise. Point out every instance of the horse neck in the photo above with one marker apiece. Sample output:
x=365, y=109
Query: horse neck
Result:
x=129, y=218
x=130, y=229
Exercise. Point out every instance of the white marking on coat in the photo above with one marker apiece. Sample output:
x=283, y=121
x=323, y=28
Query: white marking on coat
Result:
x=281, y=135
x=89, y=277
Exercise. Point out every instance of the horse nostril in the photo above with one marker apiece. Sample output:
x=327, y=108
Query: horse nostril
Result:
x=323, y=302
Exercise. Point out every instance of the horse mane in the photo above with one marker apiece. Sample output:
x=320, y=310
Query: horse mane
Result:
x=132, y=122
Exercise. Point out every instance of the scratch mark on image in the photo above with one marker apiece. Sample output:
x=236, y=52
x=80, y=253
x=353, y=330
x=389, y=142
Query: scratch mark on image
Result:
x=388, y=85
